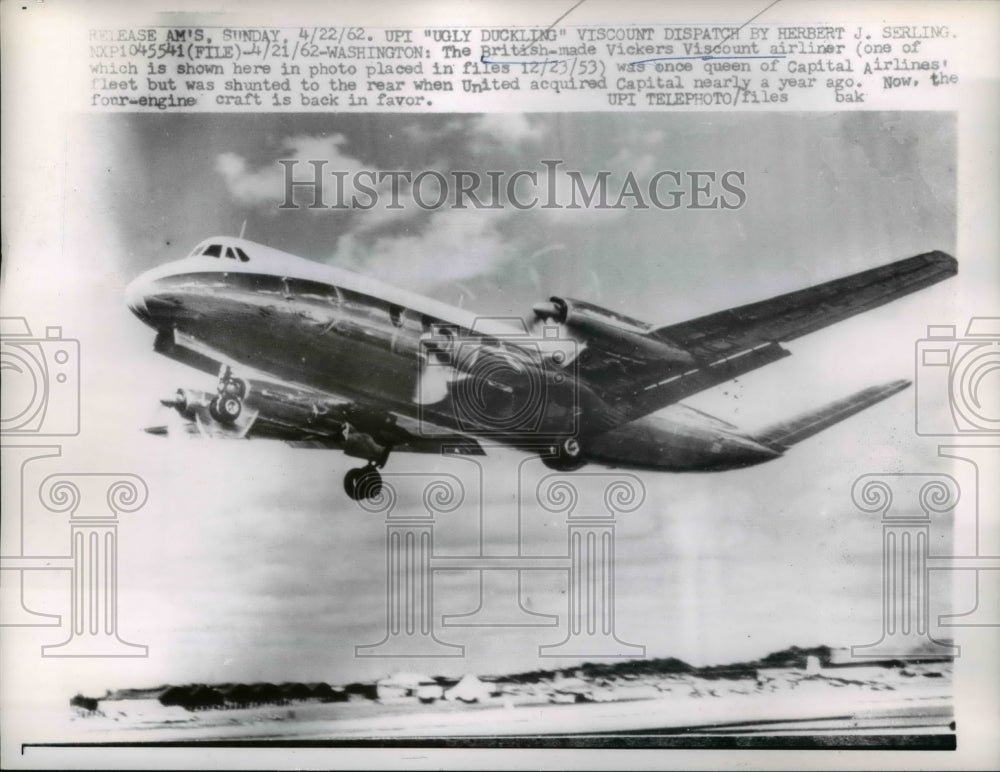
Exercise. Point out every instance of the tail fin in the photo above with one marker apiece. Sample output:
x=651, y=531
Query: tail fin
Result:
x=787, y=433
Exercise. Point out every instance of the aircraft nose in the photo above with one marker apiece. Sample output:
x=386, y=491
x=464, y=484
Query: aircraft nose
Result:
x=135, y=296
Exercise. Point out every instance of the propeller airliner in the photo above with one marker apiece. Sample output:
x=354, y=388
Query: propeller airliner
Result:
x=318, y=356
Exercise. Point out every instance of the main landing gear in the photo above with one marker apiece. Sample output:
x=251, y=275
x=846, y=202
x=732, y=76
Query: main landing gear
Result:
x=365, y=482
x=227, y=405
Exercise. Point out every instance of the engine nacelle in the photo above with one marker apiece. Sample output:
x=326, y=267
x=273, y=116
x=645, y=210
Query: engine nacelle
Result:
x=186, y=402
x=617, y=334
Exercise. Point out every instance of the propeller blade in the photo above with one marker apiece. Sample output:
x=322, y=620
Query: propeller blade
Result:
x=176, y=401
x=168, y=419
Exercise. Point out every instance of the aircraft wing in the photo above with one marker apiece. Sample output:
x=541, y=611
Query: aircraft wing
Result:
x=405, y=440
x=296, y=414
x=311, y=420
x=729, y=343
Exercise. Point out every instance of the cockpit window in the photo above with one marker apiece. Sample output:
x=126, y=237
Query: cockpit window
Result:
x=220, y=250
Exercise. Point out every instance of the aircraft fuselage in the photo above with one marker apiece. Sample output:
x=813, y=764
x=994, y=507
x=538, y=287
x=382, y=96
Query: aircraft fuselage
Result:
x=349, y=335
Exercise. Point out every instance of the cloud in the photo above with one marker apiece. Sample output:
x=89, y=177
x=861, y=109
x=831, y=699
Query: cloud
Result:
x=418, y=133
x=478, y=133
x=392, y=204
x=506, y=128
x=265, y=185
x=396, y=238
x=452, y=245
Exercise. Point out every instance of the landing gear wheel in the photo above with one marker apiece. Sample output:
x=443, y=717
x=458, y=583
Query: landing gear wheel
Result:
x=232, y=387
x=565, y=456
x=351, y=482
x=225, y=408
x=365, y=482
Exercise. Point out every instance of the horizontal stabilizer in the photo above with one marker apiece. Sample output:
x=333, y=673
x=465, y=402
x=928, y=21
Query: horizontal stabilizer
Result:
x=787, y=433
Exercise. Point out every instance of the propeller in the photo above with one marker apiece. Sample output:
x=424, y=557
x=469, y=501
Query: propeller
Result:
x=177, y=400
x=168, y=420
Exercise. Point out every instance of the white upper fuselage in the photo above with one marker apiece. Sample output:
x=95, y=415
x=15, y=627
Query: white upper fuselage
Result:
x=263, y=259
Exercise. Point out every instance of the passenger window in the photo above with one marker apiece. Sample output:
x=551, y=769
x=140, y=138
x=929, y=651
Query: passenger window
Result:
x=243, y=255
x=213, y=250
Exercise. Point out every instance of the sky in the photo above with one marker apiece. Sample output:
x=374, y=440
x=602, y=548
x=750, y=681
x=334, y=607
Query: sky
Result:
x=248, y=563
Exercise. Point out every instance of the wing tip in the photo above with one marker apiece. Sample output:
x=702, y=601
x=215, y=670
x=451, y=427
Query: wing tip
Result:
x=898, y=385
x=949, y=263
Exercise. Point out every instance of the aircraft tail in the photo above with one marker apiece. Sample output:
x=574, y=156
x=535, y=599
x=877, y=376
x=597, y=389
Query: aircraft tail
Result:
x=787, y=433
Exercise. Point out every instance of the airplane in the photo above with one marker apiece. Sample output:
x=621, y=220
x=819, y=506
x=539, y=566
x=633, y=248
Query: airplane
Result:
x=318, y=356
